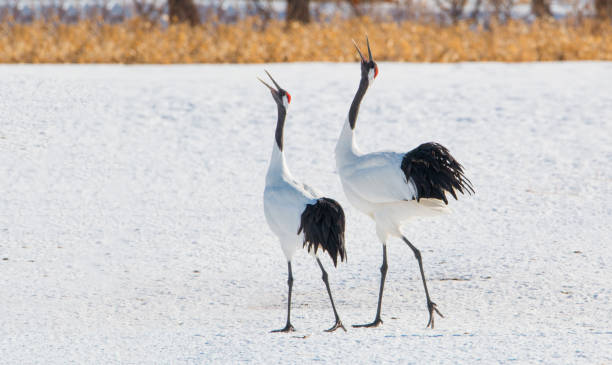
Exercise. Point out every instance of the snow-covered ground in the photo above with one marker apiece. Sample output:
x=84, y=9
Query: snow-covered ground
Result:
x=132, y=227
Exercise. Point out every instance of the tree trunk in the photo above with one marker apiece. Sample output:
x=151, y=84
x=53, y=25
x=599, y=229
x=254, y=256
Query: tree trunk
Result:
x=298, y=10
x=540, y=8
x=183, y=11
x=452, y=8
x=603, y=8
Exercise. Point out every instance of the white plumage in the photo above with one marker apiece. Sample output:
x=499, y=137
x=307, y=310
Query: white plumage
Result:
x=375, y=184
x=284, y=201
x=392, y=187
x=297, y=214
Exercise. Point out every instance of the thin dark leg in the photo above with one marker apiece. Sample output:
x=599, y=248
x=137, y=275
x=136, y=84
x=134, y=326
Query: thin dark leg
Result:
x=431, y=306
x=288, y=326
x=383, y=275
x=338, y=321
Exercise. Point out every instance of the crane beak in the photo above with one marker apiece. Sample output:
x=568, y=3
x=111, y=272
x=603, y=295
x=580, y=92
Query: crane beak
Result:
x=359, y=51
x=361, y=54
x=274, y=81
x=276, y=90
x=276, y=93
x=269, y=87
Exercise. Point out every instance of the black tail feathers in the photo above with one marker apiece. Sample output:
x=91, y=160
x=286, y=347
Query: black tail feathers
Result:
x=323, y=225
x=435, y=171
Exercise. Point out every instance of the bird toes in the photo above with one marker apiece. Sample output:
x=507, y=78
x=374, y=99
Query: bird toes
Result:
x=432, y=307
x=288, y=328
x=336, y=326
x=377, y=322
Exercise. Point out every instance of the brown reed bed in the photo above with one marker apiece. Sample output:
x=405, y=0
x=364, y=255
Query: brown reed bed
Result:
x=249, y=41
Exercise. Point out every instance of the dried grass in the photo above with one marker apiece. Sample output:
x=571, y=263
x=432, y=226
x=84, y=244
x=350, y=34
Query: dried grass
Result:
x=249, y=41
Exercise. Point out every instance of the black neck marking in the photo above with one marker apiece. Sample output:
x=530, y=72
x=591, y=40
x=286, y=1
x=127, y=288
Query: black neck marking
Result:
x=363, y=87
x=280, y=124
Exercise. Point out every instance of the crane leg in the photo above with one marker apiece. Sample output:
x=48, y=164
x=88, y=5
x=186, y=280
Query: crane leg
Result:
x=338, y=323
x=288, y=326
x=431, y=306
x=383, y=274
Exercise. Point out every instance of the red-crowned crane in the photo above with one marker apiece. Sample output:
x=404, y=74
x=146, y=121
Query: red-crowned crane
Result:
x=392, y=187
x=297, y=214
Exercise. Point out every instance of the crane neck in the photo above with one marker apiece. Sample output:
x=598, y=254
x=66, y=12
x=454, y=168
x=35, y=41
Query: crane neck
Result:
x=280, y=125
x=278, y=165
x=354, y=110
x=346, y=148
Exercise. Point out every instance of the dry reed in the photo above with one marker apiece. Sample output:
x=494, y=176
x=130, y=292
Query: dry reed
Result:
x=248, y=41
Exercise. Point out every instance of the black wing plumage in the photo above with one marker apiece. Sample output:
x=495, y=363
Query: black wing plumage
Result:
x=323, y=225
x=435, y=171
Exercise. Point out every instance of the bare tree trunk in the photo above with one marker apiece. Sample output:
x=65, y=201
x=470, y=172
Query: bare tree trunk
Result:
x=452, y=8
x=540, y=8
x=298, y=10
x=355, y=9
x=603, y=8
x=502, y=9
x=183, y=11
x=476, y=10
x=144, y=9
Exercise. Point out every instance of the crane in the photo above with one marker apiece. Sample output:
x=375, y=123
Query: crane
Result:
x=392, y=187
x=297, y=214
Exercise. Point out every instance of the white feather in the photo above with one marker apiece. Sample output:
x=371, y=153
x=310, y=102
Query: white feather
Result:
x=378, y=178
x=375, y=184
x=371, y=75
x=284, y=202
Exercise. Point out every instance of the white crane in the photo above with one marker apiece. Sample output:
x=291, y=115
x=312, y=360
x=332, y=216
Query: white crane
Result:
x=391, y=187
x=297, y=214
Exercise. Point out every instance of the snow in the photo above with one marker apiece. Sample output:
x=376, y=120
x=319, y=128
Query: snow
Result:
x=132, y=226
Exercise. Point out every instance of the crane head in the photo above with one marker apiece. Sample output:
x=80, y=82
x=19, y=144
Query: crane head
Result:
x=281, y=96
x=369, y=68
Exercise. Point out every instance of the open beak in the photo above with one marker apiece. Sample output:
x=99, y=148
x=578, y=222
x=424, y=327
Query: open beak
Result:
x=275, y=91
x=275, y=83
x=278, y=91
x=359, y=51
